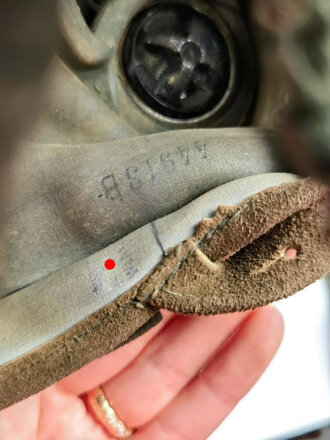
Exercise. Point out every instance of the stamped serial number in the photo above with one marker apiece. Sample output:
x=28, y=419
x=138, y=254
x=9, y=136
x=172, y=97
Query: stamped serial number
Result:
x=138, y=176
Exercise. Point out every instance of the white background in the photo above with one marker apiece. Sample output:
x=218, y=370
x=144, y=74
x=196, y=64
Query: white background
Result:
x=293, y=395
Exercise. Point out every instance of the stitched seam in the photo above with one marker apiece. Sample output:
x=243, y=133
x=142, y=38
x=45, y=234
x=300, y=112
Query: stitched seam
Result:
x=99, y=323
x=197, y=246
x=77, y=338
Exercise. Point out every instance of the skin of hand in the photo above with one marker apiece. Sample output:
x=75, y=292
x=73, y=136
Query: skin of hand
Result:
x=178, y=381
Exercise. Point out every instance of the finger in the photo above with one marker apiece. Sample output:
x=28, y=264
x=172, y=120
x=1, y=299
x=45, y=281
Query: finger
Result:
x=210, y=397
x=167, y=363
x=63, y=416
x=108, y=366
x=20, y=421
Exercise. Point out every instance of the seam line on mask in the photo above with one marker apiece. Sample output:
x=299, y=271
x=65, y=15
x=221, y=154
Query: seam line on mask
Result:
x=102, y=321
x=208, y=236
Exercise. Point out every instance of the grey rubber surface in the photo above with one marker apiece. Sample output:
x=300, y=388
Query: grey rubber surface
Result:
x=48, y=307
x=70, y=201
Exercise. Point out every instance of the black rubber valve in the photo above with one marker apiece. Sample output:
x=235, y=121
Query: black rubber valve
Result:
x=176, y=60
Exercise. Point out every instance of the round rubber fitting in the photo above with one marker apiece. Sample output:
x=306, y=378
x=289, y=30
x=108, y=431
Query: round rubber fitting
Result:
x=176, y=60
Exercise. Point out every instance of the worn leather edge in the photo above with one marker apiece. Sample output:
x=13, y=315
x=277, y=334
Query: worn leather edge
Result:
x=194, y=264
x=95, y=336
x=116, y=323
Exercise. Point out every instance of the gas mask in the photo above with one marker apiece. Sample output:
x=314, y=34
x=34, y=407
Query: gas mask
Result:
x=185, y=141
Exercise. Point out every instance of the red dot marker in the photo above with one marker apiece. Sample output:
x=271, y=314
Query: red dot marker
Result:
x=109, y=264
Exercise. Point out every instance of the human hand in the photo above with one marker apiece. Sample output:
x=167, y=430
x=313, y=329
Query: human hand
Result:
x=178, y=381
